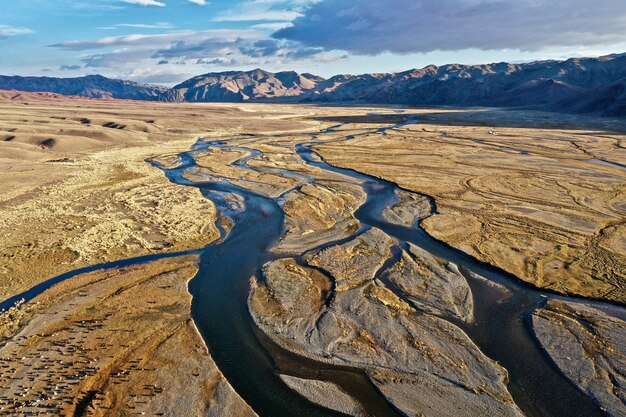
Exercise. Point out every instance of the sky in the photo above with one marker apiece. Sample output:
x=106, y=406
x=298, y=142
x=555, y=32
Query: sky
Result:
x=168, y=41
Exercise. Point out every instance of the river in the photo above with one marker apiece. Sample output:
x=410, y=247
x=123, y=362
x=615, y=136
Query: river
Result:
x=251, y=362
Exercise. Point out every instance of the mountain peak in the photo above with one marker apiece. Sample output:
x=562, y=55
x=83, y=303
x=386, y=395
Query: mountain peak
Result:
x=256, y=84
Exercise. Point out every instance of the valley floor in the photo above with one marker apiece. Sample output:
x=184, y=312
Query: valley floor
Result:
x=540, y=197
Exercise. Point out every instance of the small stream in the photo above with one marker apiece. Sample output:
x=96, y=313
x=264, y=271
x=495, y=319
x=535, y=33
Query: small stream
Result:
x=251, y=362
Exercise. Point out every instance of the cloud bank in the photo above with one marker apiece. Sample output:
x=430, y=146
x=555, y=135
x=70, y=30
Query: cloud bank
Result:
x=144, y=56
x=140, y=40
x=408, y=26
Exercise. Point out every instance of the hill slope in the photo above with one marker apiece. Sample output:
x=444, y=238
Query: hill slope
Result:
x=553, y=85
x=91, y=86
x=241, y=86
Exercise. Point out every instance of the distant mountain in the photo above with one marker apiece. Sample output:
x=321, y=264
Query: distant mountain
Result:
x=611, y=100
x=586, y=85
x=553, y=85
x=579, y=85
x=91, y=86
x=237, y=86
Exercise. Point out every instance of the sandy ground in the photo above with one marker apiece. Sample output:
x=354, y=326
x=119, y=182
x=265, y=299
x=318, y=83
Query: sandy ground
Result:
x=589, y=347
x=76, y=190
x=326, y=394
x=515, y=189
x=114, y=342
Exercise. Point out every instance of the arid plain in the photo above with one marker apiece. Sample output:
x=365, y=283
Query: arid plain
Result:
x=397, y=228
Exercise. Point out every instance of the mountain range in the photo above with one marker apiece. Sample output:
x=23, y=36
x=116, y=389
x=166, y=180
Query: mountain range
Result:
x=91, y=86
x=579, y=85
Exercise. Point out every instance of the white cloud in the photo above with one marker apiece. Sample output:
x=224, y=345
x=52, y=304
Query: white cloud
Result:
x=406, y=26
x=145, y=2
x=168, y=54
x=251, y=15
x=264, y=10
x=194, y=50
x=117, y=59
x=157, y=40
x=69, y=67
x=206, y=51
x=200, y=2
x=154, y=76
x=272, y=26
x=6, y=31
x=158, y=25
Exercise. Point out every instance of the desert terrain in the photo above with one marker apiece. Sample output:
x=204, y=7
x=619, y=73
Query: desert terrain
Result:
x=110, y=343
x=386, y=236
x=76, y=190
x=545, y=203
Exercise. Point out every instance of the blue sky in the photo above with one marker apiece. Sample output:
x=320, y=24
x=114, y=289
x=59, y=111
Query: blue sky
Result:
x=167, y=41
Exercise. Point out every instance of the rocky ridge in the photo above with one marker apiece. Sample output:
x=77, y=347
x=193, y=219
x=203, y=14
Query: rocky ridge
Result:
x=576, y=85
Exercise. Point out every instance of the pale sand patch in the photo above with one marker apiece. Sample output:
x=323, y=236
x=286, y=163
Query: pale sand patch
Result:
x=589, y=347
x=326, y=394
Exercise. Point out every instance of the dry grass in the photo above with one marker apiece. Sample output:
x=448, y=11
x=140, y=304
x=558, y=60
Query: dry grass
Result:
x=116, y=342
x=526, y=197
x=76, y=190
